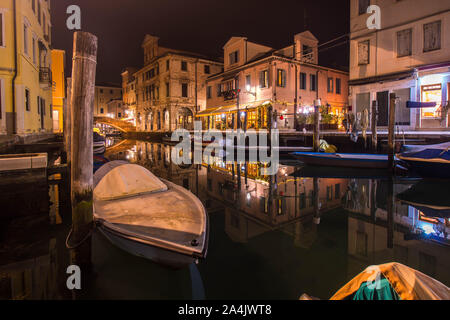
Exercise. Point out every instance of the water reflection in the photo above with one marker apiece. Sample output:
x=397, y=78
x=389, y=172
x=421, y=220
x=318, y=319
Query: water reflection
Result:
x=29, y=257
x=271, y=237
x=296, y=206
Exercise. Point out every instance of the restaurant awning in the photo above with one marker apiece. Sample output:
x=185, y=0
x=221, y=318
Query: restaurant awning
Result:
x=419, y=105
x=230, y=108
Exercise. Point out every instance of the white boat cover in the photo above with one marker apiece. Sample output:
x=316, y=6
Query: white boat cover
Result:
x=125, y=180
x=130, y=200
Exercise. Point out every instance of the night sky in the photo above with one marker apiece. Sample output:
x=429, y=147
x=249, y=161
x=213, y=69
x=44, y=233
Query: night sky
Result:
x=201, y=26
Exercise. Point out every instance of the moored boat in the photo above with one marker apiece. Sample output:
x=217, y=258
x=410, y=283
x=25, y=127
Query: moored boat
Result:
x=99, y=144
x=346, y=160
x=149, y=217
x=391, y=281
x=429, y=161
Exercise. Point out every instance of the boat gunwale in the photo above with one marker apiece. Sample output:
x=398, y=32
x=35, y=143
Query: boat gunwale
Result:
x=432, y=160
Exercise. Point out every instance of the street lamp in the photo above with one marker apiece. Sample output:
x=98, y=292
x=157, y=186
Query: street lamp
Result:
x=247, y=88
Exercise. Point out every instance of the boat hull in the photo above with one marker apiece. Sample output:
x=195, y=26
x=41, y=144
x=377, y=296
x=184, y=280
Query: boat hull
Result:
x=344, y=161
x=147, y=251
x=157, y=219
x=429, y=169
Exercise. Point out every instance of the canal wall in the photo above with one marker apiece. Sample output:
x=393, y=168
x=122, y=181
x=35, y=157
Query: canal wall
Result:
x=10, y=141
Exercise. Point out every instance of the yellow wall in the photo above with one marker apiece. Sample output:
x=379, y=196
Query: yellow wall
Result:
x=59, y=88
x=28, y=68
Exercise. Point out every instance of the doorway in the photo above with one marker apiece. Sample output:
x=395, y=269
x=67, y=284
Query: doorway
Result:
x=383, y=108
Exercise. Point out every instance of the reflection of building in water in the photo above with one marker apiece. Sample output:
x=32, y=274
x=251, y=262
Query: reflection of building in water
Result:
x=375, y=238
x=156, y=157
x=28, y=253
x=257, y=203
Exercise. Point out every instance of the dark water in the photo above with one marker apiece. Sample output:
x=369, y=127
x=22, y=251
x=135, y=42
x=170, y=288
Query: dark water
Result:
x=269, y=237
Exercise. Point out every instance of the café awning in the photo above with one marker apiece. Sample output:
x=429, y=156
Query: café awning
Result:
x=230, y=108
x=419, y=105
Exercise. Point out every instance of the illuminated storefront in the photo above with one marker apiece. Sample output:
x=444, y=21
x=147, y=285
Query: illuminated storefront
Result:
x=432, y=93
x=224, y=118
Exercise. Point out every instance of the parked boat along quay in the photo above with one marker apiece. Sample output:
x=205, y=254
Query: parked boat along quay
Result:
x=277, y=234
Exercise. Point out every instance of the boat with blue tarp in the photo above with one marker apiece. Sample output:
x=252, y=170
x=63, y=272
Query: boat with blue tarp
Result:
x=346, y=160
x=428, y=161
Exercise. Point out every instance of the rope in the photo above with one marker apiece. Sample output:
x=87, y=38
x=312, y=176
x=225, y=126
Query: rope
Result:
x=71, y=247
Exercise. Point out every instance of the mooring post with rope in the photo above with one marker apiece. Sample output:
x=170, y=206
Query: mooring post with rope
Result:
x=82, y=108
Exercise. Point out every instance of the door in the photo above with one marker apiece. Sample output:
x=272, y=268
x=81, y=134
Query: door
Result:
x=56, y=121
x=383, y=108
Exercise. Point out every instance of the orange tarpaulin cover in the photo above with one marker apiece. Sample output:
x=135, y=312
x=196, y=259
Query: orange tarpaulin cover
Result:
x=409, y=284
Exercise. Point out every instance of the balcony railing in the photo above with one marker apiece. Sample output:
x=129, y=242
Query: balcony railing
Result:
x=229, y=95
x=45, y=76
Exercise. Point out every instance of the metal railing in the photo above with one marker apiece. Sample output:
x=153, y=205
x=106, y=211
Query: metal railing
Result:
x=45, y=75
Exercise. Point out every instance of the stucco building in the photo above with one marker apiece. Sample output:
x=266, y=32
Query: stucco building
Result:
x=105, y=93
x=25, y=74
x=408, y=56
x=170, y=88
x=283, y=82
x=129, y=92
x=59, y=88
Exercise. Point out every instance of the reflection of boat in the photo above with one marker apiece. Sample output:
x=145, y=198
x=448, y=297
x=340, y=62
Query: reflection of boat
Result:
x=99, y=161
x=391, y=281
x=99, y=143
x=345, y=173
x=347, y=160
x=429, y=161
x=429, y=197
x=147, y=217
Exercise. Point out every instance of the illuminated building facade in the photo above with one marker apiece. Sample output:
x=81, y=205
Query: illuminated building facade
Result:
x=259, y=81
x=105, y=93
x=59, y=88
x=170, y=88
x=25, y=68
x=408, y=56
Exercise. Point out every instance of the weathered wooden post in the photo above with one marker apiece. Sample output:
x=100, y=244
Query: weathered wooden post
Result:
x=246, y=173
x=374, y=125
x=391, y=130
x=67, y=113
x=82, y=102
x=316, y=138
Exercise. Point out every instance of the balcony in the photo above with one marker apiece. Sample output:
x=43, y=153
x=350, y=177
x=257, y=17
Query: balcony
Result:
x=229, y=95
x=45, y=76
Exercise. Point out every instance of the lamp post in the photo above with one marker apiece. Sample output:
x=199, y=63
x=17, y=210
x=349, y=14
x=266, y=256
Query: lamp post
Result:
x=238, y=120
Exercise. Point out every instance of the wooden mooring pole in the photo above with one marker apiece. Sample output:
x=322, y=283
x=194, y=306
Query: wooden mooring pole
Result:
x=316, y=142
x=391, y=131
x=374, y=126
x=67, y=124
x=82, y=105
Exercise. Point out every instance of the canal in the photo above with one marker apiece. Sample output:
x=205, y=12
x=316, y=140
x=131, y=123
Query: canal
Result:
x=270, y=237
